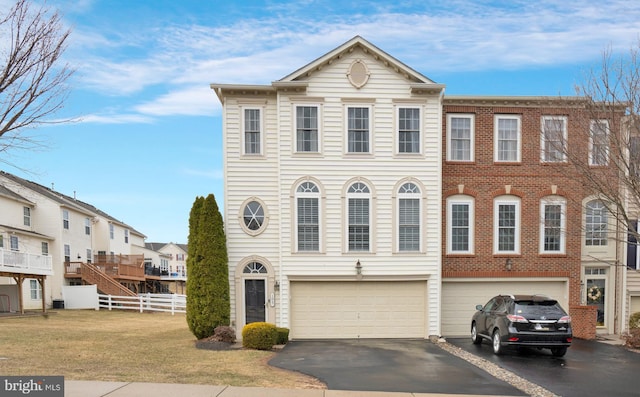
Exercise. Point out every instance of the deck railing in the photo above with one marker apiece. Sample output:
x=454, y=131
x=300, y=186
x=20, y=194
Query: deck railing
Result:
x=22, y=262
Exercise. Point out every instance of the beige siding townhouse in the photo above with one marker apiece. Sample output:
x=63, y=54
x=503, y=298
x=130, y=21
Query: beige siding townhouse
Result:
x=333, y=197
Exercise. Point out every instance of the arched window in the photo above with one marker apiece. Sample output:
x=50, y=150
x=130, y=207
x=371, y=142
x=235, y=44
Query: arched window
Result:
x=254, y=268
x=409, y=217
x=359, y=200
x=308, y=217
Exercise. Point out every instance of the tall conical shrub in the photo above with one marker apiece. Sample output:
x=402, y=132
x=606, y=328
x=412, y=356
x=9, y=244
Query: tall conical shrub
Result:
x=208, y=303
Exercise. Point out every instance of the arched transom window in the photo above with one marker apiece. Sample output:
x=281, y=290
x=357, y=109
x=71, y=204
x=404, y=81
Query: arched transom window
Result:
x=254, y=268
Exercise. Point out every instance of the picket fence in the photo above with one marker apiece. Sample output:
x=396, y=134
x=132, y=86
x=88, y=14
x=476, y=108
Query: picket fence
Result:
x=172, y=303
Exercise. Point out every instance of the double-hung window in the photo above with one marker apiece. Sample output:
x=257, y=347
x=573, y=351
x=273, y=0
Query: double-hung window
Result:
x=506, y=225
x=252, y=131
x=596, y=223
x=308, y=217
x=409, y=218
x=507, y=138
x=13, y=240
x=359, y=198
x=65, y=219
x=460, y=218
x=358, y=130
x=307, y=129
x=408, y=130
x=87, y=226
x=26, y=212
x=599, y=142
x=45, y=248
x=126, y=236
x=111, y=231
x=554, y=139
x=35, y=290
x=552, y=226
x=67, y=253
x=460, y=137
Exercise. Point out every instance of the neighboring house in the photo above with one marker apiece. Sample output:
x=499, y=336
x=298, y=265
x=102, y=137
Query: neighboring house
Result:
x=333, y=198
x=76, y=236
x=361, y=202
x=173, y=265
x=517, y=217
x=25, y=260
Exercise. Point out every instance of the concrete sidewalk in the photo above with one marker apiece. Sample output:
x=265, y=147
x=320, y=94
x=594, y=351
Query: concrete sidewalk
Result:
x=74, y=388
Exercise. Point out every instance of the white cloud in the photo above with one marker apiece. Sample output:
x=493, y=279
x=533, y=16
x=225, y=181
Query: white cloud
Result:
x=191, y=101
x=175, y=64
x=114, y=119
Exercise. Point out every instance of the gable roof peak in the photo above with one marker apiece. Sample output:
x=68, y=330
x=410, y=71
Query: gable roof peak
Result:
x=349, y=46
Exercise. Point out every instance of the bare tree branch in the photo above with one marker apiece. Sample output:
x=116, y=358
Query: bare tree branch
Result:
x=611, y=167
x=33, y=77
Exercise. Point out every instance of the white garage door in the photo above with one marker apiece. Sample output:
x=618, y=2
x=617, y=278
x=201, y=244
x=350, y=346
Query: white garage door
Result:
x=459, y=299
x=364, y=309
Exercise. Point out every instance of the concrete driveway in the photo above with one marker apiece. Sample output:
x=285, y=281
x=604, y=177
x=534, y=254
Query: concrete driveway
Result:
x=590, y=368
x=392, y=365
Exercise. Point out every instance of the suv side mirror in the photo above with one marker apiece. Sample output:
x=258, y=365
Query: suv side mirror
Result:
x=479, y=307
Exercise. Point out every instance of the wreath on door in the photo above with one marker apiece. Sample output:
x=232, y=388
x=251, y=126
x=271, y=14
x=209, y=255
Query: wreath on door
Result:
x=594, y=293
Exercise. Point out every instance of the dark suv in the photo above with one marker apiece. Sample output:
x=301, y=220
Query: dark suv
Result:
x=522, y=320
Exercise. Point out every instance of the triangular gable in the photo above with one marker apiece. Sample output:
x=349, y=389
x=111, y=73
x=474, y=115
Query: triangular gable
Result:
x=377, y=53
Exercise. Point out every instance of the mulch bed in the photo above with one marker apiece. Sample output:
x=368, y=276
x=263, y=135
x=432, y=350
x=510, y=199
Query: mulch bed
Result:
x=211, y=344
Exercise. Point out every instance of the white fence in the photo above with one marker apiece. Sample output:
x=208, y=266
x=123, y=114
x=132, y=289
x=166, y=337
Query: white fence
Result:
x=172, y=303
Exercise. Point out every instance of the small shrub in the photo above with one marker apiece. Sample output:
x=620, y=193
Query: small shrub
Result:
x=632, y=340
x=259, y=335
x=634, y=320
x=224, y=333
x=283, y=336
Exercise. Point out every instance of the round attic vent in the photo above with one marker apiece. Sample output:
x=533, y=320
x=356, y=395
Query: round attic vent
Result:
x=358, y=74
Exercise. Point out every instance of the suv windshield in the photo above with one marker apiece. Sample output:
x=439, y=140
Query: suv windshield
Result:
x=538, y=308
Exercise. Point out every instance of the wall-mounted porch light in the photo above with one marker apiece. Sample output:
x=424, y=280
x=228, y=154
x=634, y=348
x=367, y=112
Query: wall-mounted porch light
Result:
x=508, y=264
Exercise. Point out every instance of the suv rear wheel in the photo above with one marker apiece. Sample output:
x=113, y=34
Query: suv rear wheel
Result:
x=475, y=338
x=497, y=343
x=559, y=351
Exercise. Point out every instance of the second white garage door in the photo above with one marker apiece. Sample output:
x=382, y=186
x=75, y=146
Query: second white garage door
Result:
x=363, y=309
x=459, y=299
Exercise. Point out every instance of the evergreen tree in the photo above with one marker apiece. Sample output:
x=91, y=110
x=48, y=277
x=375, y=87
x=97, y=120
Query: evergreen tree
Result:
x=208, y=303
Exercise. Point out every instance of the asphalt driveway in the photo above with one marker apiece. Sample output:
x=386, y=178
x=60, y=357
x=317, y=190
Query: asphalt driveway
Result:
x=590, y=368
x=414, y=366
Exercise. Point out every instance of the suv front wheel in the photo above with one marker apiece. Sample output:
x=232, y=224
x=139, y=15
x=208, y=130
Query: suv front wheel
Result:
x=475, y=338
x=496, y=342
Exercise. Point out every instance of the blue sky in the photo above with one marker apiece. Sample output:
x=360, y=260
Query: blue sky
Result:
x=148, y=140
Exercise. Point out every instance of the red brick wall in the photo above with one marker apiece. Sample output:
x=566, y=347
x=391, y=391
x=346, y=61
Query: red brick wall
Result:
x=530, y=180
x=583, y=321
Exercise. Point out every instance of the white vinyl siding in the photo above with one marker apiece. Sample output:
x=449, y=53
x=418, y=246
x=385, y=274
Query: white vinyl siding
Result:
x=333, y=169
x=460, y=137
x=507, y=138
